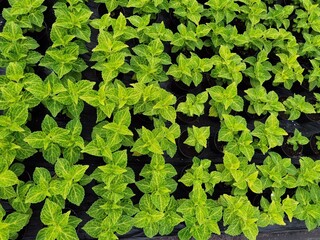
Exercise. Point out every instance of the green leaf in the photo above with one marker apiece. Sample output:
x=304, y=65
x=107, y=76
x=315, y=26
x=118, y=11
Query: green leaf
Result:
x=76, y=194
x=50, y=213
x=8, y=178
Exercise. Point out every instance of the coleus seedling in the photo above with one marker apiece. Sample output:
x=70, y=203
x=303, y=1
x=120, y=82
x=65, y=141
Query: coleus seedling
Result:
x=308, y=18
x=223, y=101
x=52, y=139
x=187, y=10
x=194, y=105
x=236, y=171
x=149, y=61
x=263, y=102
x=189, y=70
x=12, y=223
x=59, y=225
x=240, y=216
x=221, y=10
x=28, y=14
x=113, y=4
x=186, y=38
x=198, y=137
x=234, y=131
x=15, y=47
x=295, y=105
x=297, y=140
x=157, y=206
x=269, y=133
x=201, y=214
x=314, y=75
x=112, y=212
x=227, y=65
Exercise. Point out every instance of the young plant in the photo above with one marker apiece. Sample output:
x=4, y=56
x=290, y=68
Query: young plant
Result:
x=296, y=105
x=63, y=59
x=113, y=5
x=200, y=213
x=112, y=212
x=239, y=140
x=59, y=225
x=189, y=70
x=50, y=140
x=194, y=105
x=278, y=15
x=308, y=17
x=14, y=47
x=288, y=70
x=227, y=65
x=240, y=216
x=222, y=10
x=149, y=61
x=27, y=14
x=157, y=187
x=259, y=71
x=197, y=137
x=186, y=38
x=12, y=223
x=269, y=133
x=187, y=10
x=223, y=101
x=239, y=174
x=262, y=102
x=297, y=140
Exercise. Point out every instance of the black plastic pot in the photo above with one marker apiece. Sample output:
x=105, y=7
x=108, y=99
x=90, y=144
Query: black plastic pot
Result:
x=313, y=145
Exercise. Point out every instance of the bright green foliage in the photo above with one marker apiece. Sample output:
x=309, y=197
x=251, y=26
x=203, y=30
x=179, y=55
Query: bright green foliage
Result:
x=297, y=140
x=254, y=11
x=158, y=140
x=28, y=14
x=269, y=133
x=155, y=101
x=148, y=62
x=278, y=172
x=197, y=137
x=308, y=172
x=227, y=65
x=296, y=105
x=223, y=101
x=67, y=184
x=262, y=102
x=199, y=174
x=186, y=38
x=278, y=15
x=12, y=223
x=238, y=173
x=189, y=70
x=187, y=9
x=112, y=4
x=17, y=48
x=64, y=59
x=308, y=18
x=201, y=215
x=240, y=216
x=60, y=225
x=288, y=70
x=308, y=207
x=71, y=98
x=234, y=131
x=222, y=10
x=259, y=71
x=314, y=75
x=71, y=21
x=157, y=186
x=194, y=105
x=50, y=140
x=112, y=212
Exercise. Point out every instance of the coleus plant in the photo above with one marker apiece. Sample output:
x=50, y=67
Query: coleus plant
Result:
x=198, y=137
x=201, y=214
x=157, y=206
x=189, y=70
x=297, y=104
x=194, y=105
x=297, y=140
